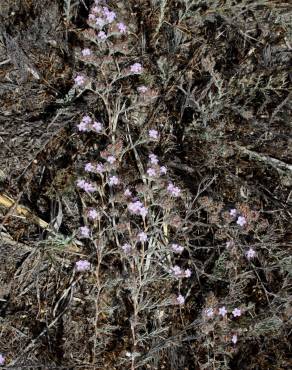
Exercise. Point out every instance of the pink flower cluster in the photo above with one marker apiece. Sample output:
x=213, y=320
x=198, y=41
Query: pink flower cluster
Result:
x=2, y=359
x=241, y=220
x=100, y=17
x=155, y=170
x=209, y=312
x=142, y=237
x=86, y=186
x=173, y=190
x=177, y=248
x=82, y=265
x=180, y=299
x=79, y=80
x=87, y=124
x=84, y=231
x=127, y=248
x=178, y=272
x=137, y=208
x=136, y=68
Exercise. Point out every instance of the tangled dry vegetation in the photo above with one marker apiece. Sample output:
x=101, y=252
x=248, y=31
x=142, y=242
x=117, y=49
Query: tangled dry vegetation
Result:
x=145, y=178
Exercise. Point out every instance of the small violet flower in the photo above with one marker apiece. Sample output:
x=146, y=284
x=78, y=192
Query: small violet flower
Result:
x=251, y=253
x=92, y=214
x=180, y=299
x=122, y=27
x=86, y=52
x=99, y=22
x=142, y=237
x=176, y=271
x=111, y=159
x=2, y=359
x=137, y=208
x=241, y=221
x=153, y=134
x=222, y=311
x=101, y=35
x=89, y=167
x=126, y=248
x=151, y=172
x=113, y=180
x=142, y=89
x=136, y=68
x=84, y=231
x=163, y=170
x=153, y=159
x=209, y=312
x=79, y=80
x=173, y=190
x=127, y=193
x=82, y=265
x=177, y=248
x=233, y=212
x=188, y=273
x=97, y=126
x=236, y=312
x=100, y=168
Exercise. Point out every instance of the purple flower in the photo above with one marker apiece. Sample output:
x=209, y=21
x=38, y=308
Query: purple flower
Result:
x=100, y=168
x=127, y=193
x=82, y=265
x=113, y=180
x=177, y=248
x=163, y=170
x=99, y=22
x=236, y=312
x=122, y=27
x=79, y=80
x=173, y=190
x=86, y=52
x=127, y=248
x=89, y=188
x=97, y=126
x=84, y=231
x=82, y=126
x=111, y=159
x=241, y=221
x=233, y=212
x=92, y=214
x=151, y=172
x=180, y=299
x=101, y=35
x=176, y=271
x=86, y=186
x=91, y=17
x=143, y=212
x=137, y=208
x=251, y=253
x=209, y=312
x=153, y=158
x=142, y=89
x=222, y=311
x=89, y=167
x=153, y=134
x=2, y=359
x=234, y=339
x=188, y=273
x=86, y=119
x=142, y=237
x=109, y=15
x=136, y=68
